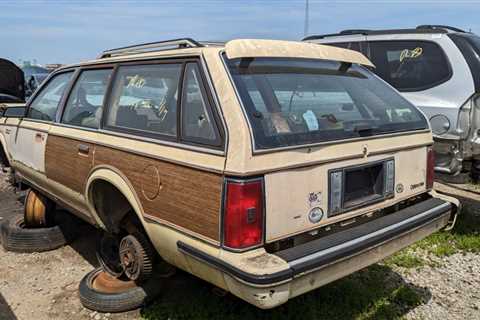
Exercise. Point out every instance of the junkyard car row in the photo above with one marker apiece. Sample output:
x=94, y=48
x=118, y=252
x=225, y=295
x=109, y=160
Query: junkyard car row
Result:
x=267, y=168
x=437, y=69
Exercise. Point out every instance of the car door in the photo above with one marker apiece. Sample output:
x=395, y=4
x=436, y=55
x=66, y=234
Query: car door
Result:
x=29, y=137
x=69, y=154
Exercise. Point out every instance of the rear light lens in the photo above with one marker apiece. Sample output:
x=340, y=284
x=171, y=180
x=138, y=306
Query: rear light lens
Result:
x=243, y=214
x=430, y=167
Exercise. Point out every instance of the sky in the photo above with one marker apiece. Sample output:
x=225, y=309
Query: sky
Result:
x=72, y=31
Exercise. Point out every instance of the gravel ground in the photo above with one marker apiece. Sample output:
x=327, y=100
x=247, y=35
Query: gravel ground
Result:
x=454, y=287
x=44, y=285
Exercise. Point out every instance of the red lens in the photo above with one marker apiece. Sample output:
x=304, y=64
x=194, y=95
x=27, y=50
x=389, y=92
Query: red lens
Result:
x=430, y=167
x=243, y=216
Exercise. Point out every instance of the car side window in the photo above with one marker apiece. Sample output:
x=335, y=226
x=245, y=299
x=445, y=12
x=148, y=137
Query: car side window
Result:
x=144, y=99
x=197, y=119
x=85, y=103
x=45, y=104
x=410, y=65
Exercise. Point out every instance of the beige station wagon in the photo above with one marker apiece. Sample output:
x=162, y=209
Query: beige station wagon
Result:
x=267, y=168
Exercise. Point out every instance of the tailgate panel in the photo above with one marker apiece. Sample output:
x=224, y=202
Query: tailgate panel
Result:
x=291, y=195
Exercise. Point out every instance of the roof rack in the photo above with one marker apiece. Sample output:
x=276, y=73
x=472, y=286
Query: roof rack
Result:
x=152, y=46
x=355, y=31
x=419, y=29
x=440, y=26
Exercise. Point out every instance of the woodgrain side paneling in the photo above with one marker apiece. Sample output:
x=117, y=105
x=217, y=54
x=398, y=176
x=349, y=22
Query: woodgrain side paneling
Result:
x=183, y=196
x=65, y=164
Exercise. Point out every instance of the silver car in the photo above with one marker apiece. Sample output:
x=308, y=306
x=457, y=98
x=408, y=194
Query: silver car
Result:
x=438, y=69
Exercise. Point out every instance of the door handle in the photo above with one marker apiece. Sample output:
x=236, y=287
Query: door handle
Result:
x=7, y=131
x=83, y=149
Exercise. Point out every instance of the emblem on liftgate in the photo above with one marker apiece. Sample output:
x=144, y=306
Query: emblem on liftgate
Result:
x=315, y=215
x=399, y=188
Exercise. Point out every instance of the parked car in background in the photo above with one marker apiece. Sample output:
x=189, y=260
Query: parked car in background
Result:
x=437, y=68
x=268, y=168
x=12, y=88
x=34, y=76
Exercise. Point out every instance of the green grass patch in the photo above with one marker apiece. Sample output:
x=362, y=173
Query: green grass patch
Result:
x=464, y=237
x=374, y=293
x=405, y=259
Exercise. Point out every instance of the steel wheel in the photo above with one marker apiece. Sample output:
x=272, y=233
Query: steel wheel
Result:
x=38, y=211
x=136, y=257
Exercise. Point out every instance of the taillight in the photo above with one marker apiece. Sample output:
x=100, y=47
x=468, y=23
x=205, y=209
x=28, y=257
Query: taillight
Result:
x=243, y=214
x=430, y=167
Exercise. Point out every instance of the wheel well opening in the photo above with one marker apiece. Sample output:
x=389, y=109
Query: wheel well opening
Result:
x=3, y=157
x=112, y=207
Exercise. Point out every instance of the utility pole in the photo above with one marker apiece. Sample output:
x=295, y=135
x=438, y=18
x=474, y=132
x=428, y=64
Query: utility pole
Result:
x=305, y=30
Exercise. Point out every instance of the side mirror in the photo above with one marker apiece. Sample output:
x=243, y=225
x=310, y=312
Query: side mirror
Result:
x=14, y=112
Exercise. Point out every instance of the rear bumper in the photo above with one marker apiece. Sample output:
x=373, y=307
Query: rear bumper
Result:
x=321, y=261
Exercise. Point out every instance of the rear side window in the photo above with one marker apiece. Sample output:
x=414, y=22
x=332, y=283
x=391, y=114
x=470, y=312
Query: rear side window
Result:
x=198, y=124
x=410, y=65
x=45, y=104
x=144, y=99
x=85, y=103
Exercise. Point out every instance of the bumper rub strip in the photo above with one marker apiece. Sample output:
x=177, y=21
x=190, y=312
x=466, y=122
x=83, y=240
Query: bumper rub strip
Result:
x=367, y=240
x=232, y=270
x=321, y=252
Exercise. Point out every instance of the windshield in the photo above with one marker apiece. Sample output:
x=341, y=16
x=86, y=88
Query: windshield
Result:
x=297, y=101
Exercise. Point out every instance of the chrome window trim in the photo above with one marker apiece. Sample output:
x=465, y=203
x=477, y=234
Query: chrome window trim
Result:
x=216, y=101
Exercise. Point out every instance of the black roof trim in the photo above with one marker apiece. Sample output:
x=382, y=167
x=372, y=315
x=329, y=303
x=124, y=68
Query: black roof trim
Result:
x=440, y=26
x=420, y=29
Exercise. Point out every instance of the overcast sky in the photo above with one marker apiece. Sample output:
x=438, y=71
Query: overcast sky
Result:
x=69, y=31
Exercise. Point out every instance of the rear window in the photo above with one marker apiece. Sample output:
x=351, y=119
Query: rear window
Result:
x=410, y=65
x=293, y=102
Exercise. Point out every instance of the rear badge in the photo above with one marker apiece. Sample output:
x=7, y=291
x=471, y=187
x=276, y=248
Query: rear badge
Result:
x=315, y=215
x=399, y=188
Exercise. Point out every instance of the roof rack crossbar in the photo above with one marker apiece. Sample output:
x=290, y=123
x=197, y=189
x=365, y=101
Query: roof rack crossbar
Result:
x=152, y=46
x=440, y=26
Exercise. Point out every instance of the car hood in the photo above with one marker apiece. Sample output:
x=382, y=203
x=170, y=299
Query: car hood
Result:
x=11, y=80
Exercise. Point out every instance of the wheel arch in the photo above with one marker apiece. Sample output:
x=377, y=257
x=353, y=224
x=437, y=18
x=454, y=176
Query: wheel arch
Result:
x=121, y=183
x=4, y=155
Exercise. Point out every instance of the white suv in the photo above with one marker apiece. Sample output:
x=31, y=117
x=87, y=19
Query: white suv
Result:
x=438, y=69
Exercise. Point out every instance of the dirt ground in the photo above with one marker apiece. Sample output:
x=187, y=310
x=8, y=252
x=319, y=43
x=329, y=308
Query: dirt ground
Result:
x=44, y=286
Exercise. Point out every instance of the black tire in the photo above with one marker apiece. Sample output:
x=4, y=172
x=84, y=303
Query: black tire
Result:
x=475, y=171
x=15, y=237
x=130, y=299
x=460, y=178
x=107, y=254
